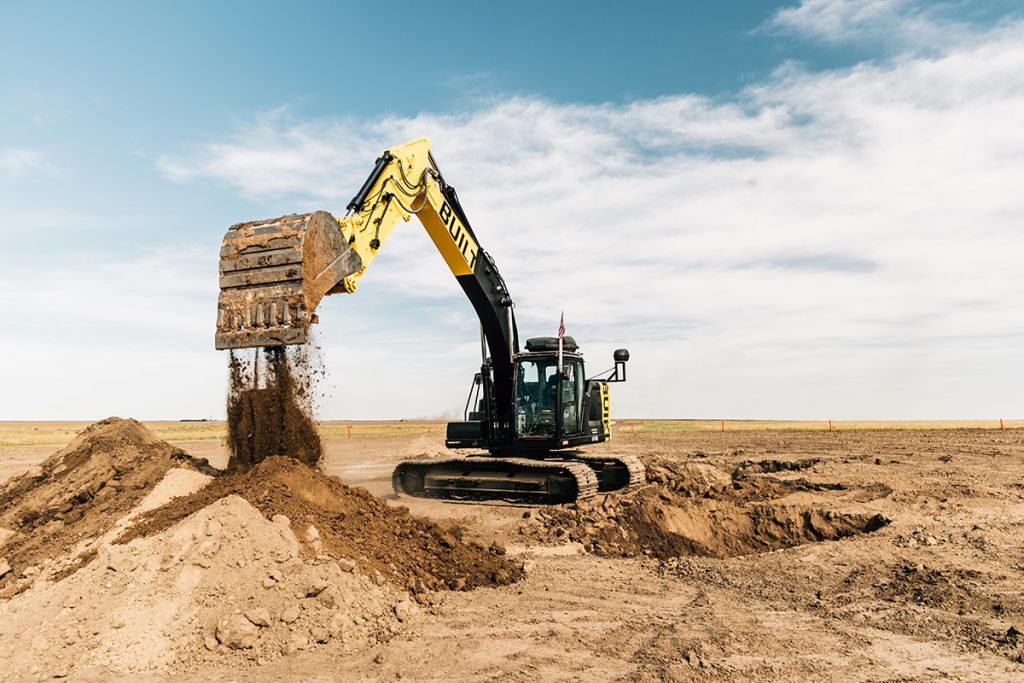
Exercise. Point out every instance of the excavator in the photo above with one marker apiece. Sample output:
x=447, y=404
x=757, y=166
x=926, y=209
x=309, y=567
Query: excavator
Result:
x=530, y=410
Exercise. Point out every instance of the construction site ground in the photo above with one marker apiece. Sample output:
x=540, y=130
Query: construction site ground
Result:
x=933, y=591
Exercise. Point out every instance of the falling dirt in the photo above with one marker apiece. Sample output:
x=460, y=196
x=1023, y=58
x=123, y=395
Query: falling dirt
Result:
x=270, y=407
x=351, y=523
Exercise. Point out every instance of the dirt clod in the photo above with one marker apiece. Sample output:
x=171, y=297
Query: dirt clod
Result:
x=237, y=632
x=259, y=616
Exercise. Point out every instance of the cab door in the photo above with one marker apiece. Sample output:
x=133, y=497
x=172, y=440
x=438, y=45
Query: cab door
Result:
x=570, y=398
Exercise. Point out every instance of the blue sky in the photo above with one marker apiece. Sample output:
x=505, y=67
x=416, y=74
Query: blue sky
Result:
x=797, y=209
x=102, y=89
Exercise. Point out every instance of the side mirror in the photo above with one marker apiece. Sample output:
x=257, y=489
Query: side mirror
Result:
x=620, y=356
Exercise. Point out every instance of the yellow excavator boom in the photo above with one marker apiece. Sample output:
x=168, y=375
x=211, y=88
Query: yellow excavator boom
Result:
x=274, y=273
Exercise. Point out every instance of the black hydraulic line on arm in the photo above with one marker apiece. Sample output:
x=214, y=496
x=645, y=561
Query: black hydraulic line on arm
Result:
x=378, y=170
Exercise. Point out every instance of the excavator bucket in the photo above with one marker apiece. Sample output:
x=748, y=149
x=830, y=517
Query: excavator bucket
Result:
x=273, y=273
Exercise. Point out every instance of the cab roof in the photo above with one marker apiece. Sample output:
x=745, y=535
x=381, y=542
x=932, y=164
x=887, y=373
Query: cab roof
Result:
x=551, y=344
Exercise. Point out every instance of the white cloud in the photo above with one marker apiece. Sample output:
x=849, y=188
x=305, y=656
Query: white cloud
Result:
x=823, y=244
x=87, y=335
x=160, y=298
x=16, y=162
x=927, y=26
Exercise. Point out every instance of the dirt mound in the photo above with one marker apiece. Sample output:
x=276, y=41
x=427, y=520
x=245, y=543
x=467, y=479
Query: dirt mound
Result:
x=270, y=407
x=225, y=585
x=350, y=523
x=905, y=582
x=919, y=584
x=695, y=509
x=125, y=563
x=922, y=600
x=77, y=495
x=693, y=479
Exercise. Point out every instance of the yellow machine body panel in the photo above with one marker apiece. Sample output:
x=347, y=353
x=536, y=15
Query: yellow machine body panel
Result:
x=606, y=411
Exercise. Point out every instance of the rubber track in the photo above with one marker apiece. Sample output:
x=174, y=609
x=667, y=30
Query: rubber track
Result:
x=586, y=478
x=634, y=465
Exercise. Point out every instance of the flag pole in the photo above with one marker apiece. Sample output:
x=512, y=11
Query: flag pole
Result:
x=561, y=333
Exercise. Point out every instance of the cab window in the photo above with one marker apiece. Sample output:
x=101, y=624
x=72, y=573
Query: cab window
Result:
x=536, y=398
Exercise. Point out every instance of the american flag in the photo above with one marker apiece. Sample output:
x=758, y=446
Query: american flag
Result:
x=561, y=326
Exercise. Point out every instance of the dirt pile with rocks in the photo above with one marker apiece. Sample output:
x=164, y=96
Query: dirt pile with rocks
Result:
x=350, y=523
x=695, y=509
x=63, y=506
x=157, y=567
x=224, y=585
x=270, y=406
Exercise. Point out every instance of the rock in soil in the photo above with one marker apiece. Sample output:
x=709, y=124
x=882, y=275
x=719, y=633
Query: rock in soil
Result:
x=236, y=632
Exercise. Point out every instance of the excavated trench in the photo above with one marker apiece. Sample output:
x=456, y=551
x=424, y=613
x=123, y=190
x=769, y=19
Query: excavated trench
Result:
x=699, y=509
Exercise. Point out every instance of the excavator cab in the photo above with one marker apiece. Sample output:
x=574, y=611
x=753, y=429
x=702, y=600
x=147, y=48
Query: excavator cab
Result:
x=554, y=405
x=553, y=408
x=548, y=391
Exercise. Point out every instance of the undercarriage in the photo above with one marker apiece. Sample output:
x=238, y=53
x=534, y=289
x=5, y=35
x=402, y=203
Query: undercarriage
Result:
x=553, y=479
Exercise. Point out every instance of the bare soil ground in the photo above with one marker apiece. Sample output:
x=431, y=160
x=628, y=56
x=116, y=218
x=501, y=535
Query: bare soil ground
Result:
x=937, y=593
